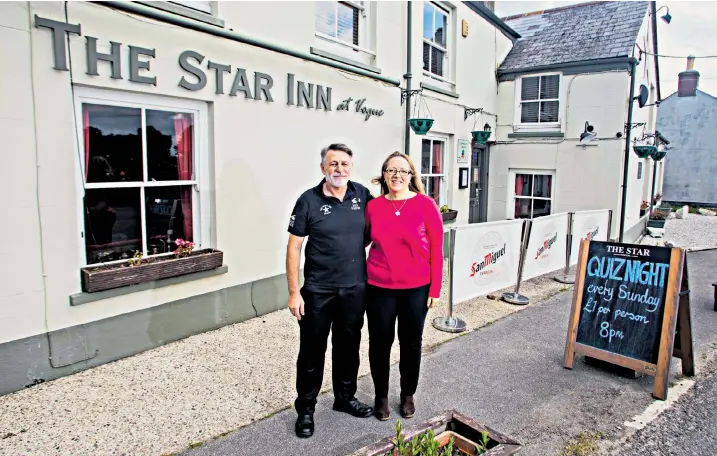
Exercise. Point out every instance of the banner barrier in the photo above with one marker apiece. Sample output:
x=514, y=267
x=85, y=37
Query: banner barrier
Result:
x=591, y=226
x=450, y=323
x=547, y=246
x=486, y=257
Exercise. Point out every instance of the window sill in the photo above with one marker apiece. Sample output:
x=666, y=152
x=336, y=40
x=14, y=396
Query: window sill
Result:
x=432, y=88
x=186, y=12
x=537, y=134
x=85, y=298
x=344, y=60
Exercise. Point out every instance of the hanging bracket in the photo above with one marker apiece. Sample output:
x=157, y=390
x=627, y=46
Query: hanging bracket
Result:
x=470, y=111
x=409, y=93
x=634, y=125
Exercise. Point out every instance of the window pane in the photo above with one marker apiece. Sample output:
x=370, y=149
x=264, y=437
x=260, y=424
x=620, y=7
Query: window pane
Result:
x=112, y=224
x=347, y=24
x=542, y=188
x=437, y=164
x=169, y=217
x=541, y=207
x=549, y=86
x=549, y=111
x=426, y=56
x=529, y=112
x=522, y=208
x=426, y=157
x=441, y=28
x=523, y=184
x=437, y=61
x=434, y=184
x=170, y=142
x=427, y=20
x=529, y=88
x=113, y=143
x=325, y=19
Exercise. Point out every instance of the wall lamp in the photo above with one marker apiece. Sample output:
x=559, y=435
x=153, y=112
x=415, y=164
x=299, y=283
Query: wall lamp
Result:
x=587, y=135
x=667, y=17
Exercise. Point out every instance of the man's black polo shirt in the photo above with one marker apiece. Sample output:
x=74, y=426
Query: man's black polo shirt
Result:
x=335, y=252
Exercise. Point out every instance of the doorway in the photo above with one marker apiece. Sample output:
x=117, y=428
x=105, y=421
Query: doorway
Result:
x=478, y=184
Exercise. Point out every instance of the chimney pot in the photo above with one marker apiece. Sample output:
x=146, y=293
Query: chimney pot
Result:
x=690, y=62
x=688, y=80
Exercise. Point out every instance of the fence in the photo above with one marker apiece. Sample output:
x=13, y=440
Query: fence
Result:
x=487, y=257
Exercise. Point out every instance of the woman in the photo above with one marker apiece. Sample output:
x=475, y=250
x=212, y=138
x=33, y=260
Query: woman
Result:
x=405, y=271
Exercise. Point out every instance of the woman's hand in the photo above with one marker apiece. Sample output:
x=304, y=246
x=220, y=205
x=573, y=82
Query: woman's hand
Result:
x=432, y=302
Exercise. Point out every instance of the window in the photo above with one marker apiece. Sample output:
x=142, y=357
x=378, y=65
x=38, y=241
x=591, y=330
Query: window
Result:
x=139, y=163
x=432, y=169
x=533, y=195
x=339, y=21
x=539, y=99
x=435, y=42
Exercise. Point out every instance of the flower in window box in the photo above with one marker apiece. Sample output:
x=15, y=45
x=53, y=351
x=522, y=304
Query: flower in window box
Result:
x=184, y=248
x=644, y=205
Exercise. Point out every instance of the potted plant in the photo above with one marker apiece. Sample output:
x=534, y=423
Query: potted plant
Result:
x=658, y=217
x=448, y=214
x=644, y=151
x=450, y=433
x=138, y=269
x=643, y=208
x=657, y=199
x=420, y=121
x=481, y=136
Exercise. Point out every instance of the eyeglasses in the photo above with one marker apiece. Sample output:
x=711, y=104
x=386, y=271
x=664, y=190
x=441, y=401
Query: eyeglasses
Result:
x=402, y=172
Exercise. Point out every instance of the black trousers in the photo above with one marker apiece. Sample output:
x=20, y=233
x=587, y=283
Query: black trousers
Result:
x=384, y=306
x=340, y=310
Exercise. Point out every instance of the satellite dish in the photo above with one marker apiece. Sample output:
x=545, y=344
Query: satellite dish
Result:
x=642, y=97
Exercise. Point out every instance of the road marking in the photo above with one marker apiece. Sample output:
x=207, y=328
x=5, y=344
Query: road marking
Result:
x=657, y=407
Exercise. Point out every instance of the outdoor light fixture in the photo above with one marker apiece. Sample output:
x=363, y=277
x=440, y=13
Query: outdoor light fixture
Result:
x=587, y=135
x=667, y=17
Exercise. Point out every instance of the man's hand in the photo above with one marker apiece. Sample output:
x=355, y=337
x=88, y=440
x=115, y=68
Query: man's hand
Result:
x=296, y=305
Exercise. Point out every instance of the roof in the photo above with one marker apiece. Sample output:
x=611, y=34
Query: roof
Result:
x=576, y=33
x=486, y=13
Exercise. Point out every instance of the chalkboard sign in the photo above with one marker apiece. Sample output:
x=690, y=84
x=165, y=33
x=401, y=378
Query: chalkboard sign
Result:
x=625, y=308
x=623, y=297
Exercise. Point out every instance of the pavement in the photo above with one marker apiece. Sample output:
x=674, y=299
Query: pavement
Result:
x=507, y=375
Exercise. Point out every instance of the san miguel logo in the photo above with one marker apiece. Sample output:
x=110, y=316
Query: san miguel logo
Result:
x=489, y=259
x=547, y=244
x=591, y=234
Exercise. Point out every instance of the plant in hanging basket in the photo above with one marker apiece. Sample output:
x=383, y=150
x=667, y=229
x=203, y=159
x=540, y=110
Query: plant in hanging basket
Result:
x=658, y=155
x=644, y=151
x=420, y=126
x=480, y=136
x=138, y=270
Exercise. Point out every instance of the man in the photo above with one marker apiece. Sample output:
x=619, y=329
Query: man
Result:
x=332, y=298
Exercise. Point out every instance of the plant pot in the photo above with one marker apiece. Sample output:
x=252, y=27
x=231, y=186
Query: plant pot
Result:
x=658, y=155
x=655, y=223
x=450, y=215
x=463, y=429
x=643, y=212
x=420, y=126
x=644, y=151
x=480, y=136
x=106, y=277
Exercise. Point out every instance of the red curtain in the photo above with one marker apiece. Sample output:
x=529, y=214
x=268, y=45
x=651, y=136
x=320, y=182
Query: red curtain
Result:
x=183, y=132
x=436, y=169
x=86, y=130
x=518, y=192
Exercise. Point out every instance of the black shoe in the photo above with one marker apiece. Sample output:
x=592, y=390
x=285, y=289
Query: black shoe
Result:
x=353, y=407
x=304, y=427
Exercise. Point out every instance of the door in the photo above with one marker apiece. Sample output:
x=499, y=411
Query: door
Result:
x=478, y=184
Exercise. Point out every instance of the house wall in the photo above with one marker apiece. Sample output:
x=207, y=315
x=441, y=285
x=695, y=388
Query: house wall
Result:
x=255, y=157
x=691, y=162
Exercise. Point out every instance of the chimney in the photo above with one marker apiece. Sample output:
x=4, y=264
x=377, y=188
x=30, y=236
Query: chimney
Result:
x=489, y=5
x=688, y=80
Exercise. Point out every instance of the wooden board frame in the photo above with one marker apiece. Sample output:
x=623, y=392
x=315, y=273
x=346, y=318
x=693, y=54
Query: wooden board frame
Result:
x=676, y=307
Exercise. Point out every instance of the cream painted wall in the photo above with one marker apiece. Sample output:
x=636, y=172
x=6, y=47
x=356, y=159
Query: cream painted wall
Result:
x=262, y=155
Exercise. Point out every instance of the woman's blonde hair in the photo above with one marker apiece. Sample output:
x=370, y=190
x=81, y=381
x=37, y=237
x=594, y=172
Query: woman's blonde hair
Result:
x=414, y=184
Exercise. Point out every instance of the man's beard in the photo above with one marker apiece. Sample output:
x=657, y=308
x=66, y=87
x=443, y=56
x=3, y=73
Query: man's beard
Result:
x=336, y=181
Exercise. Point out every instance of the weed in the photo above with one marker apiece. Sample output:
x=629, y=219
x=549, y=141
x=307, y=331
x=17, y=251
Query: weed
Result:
x=195, y=444
x=565, y=288
x=583, y=445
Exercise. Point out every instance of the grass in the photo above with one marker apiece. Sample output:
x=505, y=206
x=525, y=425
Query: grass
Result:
x=195, y=444
x=583, y=445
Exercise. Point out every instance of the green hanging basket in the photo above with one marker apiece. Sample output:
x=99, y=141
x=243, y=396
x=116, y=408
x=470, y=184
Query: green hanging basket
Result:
x=658, y=155
x=644, y=151
x=420, y=126
x=480, y=136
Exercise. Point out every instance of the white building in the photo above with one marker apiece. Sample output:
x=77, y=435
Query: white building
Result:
x=128, y=125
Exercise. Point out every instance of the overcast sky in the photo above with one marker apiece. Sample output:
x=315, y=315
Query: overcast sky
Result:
x=693, y=30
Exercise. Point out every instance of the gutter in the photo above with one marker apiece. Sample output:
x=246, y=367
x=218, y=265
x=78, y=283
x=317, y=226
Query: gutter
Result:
x=480, y=9
x=626, y=161
x=653, y=7
x=576, y=67
x=407, y=76
x=180, y=21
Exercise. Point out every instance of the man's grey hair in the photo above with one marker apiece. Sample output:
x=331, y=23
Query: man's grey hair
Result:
x=337, y=147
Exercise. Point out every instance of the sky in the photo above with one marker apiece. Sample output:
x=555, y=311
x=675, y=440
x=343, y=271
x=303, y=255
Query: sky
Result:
x=691, y=31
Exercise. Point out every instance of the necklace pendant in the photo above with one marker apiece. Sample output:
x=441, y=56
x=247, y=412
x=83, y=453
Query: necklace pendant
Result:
x=398, y=213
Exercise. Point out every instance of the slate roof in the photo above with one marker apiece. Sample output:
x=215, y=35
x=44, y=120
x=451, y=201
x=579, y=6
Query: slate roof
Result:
x=575, y=33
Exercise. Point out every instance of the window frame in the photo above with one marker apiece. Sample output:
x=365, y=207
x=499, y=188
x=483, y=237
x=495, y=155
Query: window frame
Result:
x=442, y=175
x=200, y=161
x=189, y=4
x=510, y=207
x=541, y=126
x=192, y=12
x=346, y=49
x=446, y=78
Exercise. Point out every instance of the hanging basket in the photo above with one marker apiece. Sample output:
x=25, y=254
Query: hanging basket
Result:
x=658, y=155
x=480, y=136
x=644, y=151
x=420, y=126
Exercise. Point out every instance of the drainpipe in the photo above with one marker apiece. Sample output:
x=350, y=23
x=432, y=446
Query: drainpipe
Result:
x=653, y=8
x=626, y=161
x=407, y=76
x=654, y=176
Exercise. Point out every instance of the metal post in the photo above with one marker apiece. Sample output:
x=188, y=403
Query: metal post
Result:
x=626, y=158
x=450, y=323
x=515, y=297
x=408, y=76
x=566, y=277
x=609, y=224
